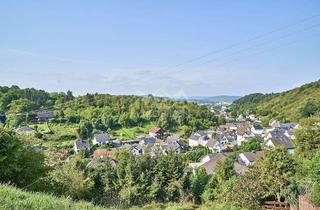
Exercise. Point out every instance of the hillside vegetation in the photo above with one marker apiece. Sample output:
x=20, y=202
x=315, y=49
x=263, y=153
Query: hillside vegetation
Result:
x=13, y=198
x=85, y=115
x=292, y=105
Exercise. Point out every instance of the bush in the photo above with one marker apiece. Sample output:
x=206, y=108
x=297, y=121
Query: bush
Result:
x=314, y=196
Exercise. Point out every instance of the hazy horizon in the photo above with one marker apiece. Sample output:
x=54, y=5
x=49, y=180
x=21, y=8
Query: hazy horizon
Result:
x=165, y=48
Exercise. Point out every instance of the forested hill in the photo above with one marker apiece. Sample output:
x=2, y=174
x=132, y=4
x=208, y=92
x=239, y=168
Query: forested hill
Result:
x=291, y=105
x=102, y=111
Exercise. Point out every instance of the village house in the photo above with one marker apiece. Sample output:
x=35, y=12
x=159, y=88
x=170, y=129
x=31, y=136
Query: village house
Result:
x=99, y=139
x=172, y=146
x=288, y=126
x=248, y=158
x=135, y=149
x=252, y=117
x=116, y=143
x=239, y=168
x=257, y=129
x=147, y=140
x=25, y=130
x=81, y=144
x=156, y=132
x=231, y=126
x=240, y=118
x=44, y=116
x=273, y=123
x=213, y=145
x=226, y=138
x=198, y=138
x=102, y=154
x=283, y=141
x=209, y=162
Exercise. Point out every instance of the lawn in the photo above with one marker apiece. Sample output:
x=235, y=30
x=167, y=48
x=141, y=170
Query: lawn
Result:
x=41, y=128
x=132, y=133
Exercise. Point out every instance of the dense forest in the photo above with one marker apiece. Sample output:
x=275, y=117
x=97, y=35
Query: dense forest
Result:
x=292, y=105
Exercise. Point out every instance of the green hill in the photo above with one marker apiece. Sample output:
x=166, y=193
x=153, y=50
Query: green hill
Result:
x=291, y=105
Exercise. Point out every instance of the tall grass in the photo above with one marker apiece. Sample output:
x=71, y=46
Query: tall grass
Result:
x=13, y=198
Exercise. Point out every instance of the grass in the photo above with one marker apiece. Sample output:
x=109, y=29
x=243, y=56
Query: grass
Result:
x=132, y=133
x=13, y=198
x=56, y=135
x=41, y=128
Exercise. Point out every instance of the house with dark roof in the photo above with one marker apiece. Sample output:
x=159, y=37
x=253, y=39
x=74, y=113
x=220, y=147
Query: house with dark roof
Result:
x=44, y=116
x=147, y=140
x=81, y=144
x=25, y=130
x=288, y=126
x=281, y=140
x=257, y=129
x=135, y=149
x=117, y=143
x=101, y=138
x=171, y=146
x=248, y=158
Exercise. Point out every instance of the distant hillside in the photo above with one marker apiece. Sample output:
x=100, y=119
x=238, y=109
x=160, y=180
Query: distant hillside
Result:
x=211, y=99
x=291, y=105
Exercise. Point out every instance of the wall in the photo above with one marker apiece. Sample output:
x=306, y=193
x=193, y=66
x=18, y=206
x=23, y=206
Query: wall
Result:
x=304, y=204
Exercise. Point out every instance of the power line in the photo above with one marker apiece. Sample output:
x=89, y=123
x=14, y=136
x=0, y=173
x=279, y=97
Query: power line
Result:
x=262, y=51
x=257, y=45
x=246, y=41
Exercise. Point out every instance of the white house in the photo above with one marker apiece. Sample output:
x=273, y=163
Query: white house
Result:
x=274, y=123
x=99, y=139
x=257, y=129
x=248, y=158
x=231, y=126
x=209, y=162
x=283, y=141
x=79, y=144
x=213, y=145
x=198, y=138
x=156, y=132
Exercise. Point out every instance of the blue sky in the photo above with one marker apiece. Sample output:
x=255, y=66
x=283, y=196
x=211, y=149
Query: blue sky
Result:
x=166, y=47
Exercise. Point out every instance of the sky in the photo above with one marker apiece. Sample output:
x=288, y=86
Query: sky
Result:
x=165, y=48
